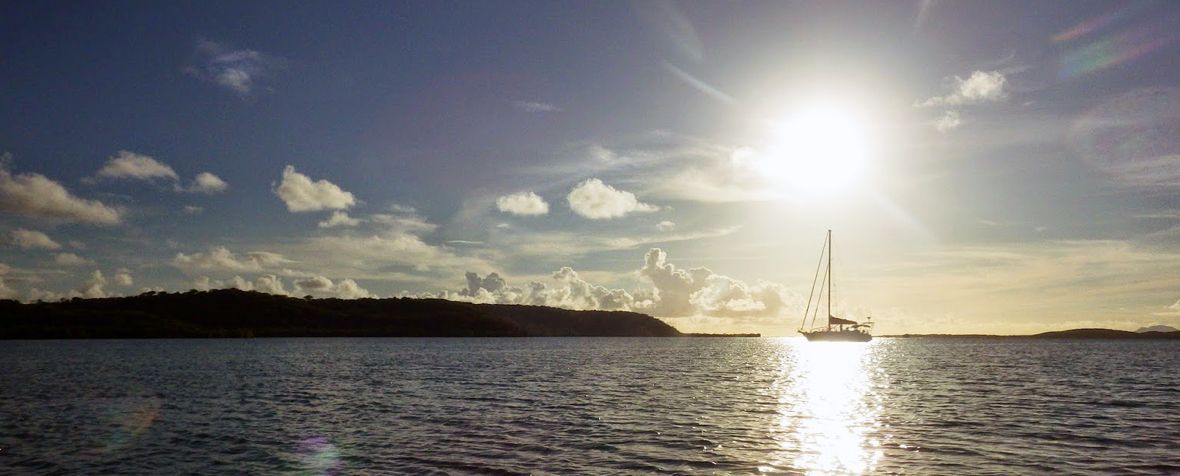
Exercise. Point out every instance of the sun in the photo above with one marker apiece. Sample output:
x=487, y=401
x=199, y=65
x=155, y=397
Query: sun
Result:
x=818, y=149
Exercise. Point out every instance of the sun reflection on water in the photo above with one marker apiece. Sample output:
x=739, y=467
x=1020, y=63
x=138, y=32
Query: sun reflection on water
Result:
x=828, y=410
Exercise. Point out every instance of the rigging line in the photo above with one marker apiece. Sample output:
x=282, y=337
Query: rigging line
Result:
x=813, y=280
x=823, y=285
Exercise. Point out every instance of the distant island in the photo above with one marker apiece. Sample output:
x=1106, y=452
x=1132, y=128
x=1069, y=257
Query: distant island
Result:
x=1141, y=334
x=234, y=313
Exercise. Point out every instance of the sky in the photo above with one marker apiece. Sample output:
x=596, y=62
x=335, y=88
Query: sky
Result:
x=985, y=167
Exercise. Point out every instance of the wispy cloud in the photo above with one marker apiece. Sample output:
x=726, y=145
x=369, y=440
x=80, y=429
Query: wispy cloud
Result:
x=950, y=120
x=339, y=218
x=71, y=259
x=535, y=106
x=32, y=239
x=237, y=70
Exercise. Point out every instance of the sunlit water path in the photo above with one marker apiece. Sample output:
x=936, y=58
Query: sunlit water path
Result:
x=336, y=406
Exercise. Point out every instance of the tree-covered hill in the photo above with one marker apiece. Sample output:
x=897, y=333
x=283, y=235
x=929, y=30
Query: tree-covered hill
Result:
x=234, y=313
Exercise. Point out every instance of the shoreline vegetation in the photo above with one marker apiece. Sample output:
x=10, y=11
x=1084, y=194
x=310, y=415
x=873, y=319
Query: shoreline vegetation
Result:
x=235, y=313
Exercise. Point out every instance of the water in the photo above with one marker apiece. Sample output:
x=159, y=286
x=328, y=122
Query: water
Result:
x=609, y=405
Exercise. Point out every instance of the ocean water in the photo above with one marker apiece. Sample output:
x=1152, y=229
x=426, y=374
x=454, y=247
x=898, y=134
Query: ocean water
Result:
x=589, y=405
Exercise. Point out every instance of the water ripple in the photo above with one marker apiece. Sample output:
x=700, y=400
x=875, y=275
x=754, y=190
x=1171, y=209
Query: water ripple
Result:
x=603, y=406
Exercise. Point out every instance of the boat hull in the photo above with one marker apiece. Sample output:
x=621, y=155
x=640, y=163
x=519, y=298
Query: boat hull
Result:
x=837, y=336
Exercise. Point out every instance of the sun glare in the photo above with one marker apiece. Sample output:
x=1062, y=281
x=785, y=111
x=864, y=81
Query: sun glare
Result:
x=818, y=149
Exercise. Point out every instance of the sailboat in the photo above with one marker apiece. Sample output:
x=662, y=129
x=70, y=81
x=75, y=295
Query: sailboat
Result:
x=836, y=329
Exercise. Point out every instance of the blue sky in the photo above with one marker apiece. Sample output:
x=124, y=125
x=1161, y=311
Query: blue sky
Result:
x=985, y=167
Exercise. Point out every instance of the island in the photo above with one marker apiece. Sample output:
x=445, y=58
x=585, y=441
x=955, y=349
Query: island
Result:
x=234, y=313
x=1068, y=334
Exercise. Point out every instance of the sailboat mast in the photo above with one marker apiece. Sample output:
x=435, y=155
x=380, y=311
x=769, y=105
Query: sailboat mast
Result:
x=829, y=279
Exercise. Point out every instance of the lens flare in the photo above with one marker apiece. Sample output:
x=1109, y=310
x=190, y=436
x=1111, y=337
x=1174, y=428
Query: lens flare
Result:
x=317, y=455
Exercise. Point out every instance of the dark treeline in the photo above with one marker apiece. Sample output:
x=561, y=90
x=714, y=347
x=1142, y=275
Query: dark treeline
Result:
x=234, y=313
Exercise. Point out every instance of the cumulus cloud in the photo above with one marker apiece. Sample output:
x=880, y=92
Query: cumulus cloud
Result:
x=267, y=283
x=315, y=283
x=237, y=70
x=35, y=195
x=345, y=289
x=596, y=200
x=666, y=225
x=699, y=291
x=674, y=293
x=535, y=107
x=32, y=239
x=950, y=120
x=123, y=277
x=207, y=183
x=339, y=218
x=270, y=284
x=70, y=259
x=93, y=287
x=221, y=258
x=130, y=165
x=522, y=203
x=980, y=87
x=301, y=194
x=349, y=289
x=565, y=290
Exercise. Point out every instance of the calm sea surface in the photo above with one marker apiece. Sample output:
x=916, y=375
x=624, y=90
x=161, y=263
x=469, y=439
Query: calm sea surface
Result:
x=607, y=405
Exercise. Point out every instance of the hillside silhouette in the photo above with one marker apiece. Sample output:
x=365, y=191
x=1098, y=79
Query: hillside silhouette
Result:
x=234, y=313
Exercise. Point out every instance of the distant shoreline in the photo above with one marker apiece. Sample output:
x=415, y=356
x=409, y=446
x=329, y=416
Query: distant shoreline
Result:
x=1067, y=334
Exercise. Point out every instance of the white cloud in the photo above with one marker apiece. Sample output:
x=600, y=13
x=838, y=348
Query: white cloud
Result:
x=349, y=289
x=130, y=165
x=522, y=203
x=339, y=218
x=301, y=194
x=35, y=195
x=32, y=239
x=270, y=284
x=675, y=293
x=93, y=287
x=699, y=291
x=123, y=277
x=950, y=120
x=980, y=87
x=666, y=225
x=596, y=200
x=207, y=183
x=70, y=259
x=565, y=290
x=314, y=283
x=534, y=107
x=193, y=209
x=237, y=70
x=221, y=258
